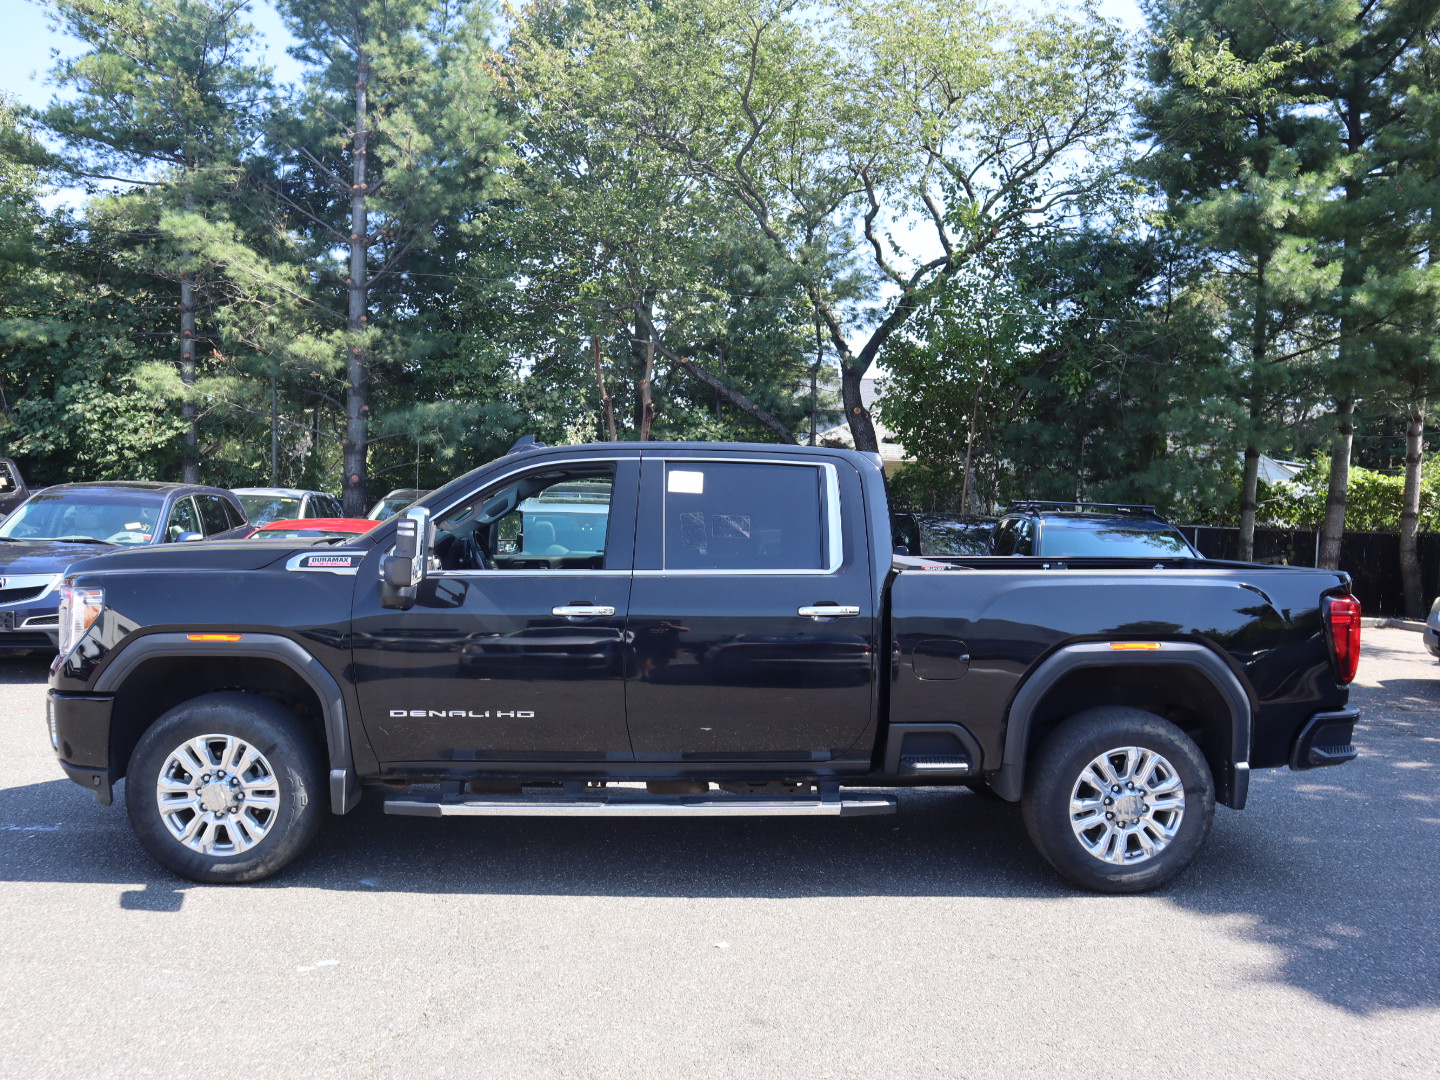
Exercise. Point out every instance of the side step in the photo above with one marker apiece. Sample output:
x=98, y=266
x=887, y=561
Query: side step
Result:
x=960, y=766
x=636, y=805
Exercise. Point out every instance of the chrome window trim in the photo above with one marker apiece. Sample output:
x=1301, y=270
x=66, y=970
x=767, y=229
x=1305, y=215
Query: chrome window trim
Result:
x=830, y=500
x=835, y=550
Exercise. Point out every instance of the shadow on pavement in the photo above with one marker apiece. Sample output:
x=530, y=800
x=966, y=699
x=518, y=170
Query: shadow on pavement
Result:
x=29, y=669
x=1334, y=870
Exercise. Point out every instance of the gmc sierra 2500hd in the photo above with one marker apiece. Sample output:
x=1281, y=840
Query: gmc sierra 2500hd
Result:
x=685, y=629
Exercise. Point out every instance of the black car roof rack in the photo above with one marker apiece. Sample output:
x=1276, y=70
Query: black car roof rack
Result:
x=1140, y=509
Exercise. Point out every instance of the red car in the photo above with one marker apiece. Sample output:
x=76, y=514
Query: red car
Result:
x=313, y=528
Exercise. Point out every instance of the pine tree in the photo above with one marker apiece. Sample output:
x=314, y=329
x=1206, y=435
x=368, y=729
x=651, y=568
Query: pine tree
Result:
x=1224, y=132
x=395, y=141
x=165, y=102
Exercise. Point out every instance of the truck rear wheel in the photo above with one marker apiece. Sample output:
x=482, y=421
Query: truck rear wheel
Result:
x=225, y=788
x=1119, y=800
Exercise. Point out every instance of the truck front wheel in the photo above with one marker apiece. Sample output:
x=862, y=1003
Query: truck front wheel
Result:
x=225, y=788
x=1118, y=800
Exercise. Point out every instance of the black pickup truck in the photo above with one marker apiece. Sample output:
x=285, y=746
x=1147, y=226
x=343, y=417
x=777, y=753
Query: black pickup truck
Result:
x=685, y=629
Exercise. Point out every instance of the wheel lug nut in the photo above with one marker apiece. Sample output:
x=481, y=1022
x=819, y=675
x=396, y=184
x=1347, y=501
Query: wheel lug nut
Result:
x=1109, y=801
x=1113, y=787
x=1109, y=817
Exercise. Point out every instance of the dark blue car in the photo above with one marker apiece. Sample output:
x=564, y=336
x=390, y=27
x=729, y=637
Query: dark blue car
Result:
x=62, y=524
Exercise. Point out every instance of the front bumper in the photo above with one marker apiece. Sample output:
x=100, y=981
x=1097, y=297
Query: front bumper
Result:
x=79, y=727
x=1325, y=740
x=1432, y=641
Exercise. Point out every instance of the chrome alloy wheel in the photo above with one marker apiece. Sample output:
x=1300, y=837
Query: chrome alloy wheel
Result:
x=1127, y=805
x=218, y=795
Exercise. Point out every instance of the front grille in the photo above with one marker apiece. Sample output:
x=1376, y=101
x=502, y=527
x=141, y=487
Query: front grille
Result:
x=19, y=596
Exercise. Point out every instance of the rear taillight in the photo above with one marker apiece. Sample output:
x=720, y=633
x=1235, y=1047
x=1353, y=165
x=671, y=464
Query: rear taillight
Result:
x=1342, y=618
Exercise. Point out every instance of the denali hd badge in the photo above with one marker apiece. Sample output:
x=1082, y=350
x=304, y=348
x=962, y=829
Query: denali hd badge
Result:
x=465, y=714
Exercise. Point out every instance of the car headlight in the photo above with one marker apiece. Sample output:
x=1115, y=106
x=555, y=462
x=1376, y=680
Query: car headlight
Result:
x=79, y=608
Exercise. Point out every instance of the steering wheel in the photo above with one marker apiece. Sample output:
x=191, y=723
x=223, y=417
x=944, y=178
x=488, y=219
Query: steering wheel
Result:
x=470, y=554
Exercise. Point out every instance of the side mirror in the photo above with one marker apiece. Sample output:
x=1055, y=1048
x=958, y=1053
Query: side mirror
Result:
x=403, y=569
x=186, y=537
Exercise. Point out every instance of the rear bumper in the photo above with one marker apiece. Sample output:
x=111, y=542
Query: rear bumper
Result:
x=1325, y=740
x=79, y=726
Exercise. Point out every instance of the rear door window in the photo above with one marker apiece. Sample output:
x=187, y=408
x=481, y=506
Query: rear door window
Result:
x=183, y=519
x=212, y=514
x=742, y=516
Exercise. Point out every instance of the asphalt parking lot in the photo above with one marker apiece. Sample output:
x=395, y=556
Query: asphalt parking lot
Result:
x=1305, y=942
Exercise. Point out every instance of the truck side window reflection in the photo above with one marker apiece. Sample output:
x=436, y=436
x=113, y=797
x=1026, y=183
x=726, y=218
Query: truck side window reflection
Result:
x=739, y=516
x=555, y=520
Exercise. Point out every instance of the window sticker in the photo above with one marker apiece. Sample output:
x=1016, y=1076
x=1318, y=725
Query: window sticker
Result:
x=692, y=531
x=685, y=482
x=730, y=526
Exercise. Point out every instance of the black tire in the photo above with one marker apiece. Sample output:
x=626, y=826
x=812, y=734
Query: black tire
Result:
x=293, y=770
x=1055, y=775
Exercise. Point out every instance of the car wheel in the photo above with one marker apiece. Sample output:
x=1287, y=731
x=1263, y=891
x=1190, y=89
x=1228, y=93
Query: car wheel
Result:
x=1118, y=800
x=225, y=788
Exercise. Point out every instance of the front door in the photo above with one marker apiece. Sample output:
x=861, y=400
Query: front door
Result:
x=737, y=562
x=515, y=649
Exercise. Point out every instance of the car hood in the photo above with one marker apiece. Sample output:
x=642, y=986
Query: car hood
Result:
x=45, y=556
x=199, y=555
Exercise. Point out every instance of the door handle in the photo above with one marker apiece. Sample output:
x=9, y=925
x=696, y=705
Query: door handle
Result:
x=581, y=611
x=829, y=611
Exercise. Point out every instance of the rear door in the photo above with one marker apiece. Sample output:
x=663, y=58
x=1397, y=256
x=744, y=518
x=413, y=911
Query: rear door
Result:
x=739, y=562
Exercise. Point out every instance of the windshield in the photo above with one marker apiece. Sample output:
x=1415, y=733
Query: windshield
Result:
x=391, y=505
x=64, y=516
x=1114, y=541
x=263, y=509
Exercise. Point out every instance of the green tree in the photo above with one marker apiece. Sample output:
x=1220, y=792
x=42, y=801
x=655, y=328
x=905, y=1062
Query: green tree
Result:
x=1224, y=136
x=958, y=116
x=165, y=101
x=393, y=142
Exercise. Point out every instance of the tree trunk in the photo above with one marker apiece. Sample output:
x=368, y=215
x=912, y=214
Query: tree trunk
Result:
x=647, y=407
x=357, y=371
x=1259, y=347
x=604, y=393
x=1333, y=529
x=1410, y=511
x=862, y=427
x=190, y=462
x=815, y=382
x=1249, y=503
x=274, y=433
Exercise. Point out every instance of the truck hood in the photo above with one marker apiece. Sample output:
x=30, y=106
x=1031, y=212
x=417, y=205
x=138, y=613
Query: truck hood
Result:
x=200, y=555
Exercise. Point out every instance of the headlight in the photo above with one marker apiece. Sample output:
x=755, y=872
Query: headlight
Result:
x=79, y=608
